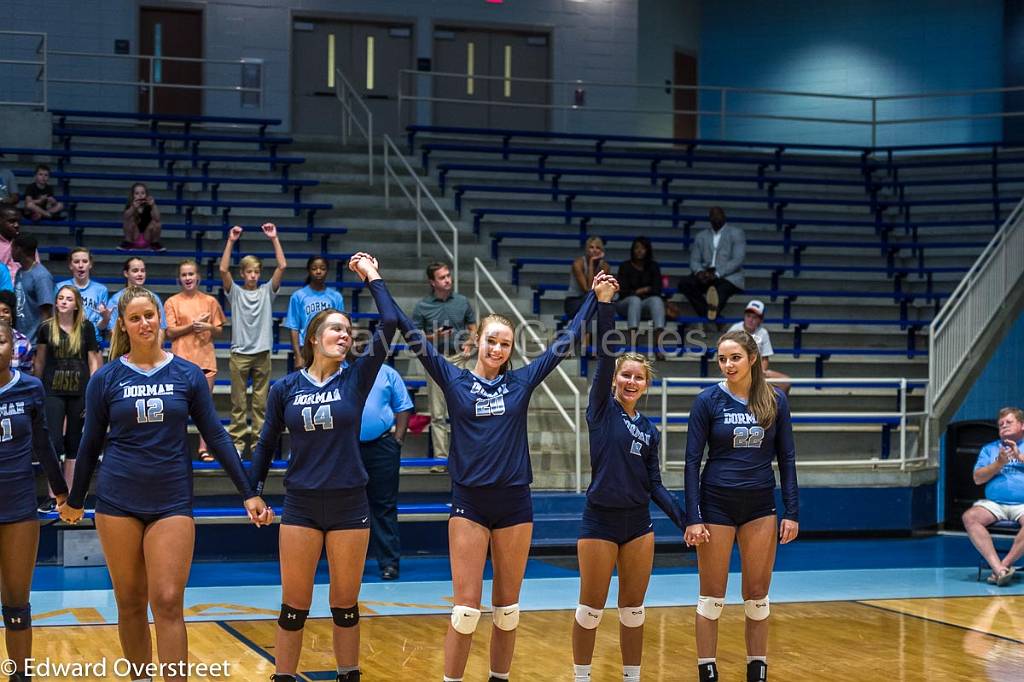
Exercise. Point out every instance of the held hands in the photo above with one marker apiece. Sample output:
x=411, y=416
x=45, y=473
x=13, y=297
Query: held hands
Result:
x=69, y=514
x=697, y=534
x=604, y=287
x=259, y=513
x=788, y=530
x=235, y=233
x=269, y=229
x=364, y=265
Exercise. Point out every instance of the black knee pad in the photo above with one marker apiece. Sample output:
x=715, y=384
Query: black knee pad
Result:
x=17, y=617
x=292, y=619
x=345, y=618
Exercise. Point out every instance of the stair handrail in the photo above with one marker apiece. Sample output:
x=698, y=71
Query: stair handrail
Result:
x=572, y=421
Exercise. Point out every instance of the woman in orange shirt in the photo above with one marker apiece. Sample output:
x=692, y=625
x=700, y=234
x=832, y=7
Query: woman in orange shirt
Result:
x=194, y=320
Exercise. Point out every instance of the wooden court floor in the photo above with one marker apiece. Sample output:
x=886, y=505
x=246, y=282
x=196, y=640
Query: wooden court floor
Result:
x=970, y=638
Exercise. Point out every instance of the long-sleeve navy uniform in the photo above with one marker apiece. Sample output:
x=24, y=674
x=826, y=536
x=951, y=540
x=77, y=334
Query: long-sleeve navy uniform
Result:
x=23, y=434
x=489, y=444
x=624, y=462
x=740, y=451
x=323, y=419
x=147, y=463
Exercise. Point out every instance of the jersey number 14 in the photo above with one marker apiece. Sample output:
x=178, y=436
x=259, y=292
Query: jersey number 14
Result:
x=322, y=418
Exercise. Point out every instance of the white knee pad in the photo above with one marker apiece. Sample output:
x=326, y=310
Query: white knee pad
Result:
x=587, y=617
x=506, y=617
x=632, y=616
x=464, y=619
x=710, y=607
x=756, y=609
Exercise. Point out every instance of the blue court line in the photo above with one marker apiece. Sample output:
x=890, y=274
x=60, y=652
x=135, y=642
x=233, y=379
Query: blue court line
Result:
x=256, y=648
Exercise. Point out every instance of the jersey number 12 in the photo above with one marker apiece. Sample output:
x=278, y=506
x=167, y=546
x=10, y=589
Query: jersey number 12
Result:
x=149, y=411
x=322, y=418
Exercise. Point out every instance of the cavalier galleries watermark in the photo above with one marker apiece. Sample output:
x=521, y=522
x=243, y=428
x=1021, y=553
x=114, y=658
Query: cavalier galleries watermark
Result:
x=120, y=668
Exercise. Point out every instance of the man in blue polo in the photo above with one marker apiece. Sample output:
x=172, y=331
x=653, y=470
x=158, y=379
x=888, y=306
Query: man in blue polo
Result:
x=1000, y=468
x=387, y=406
x=449, y=322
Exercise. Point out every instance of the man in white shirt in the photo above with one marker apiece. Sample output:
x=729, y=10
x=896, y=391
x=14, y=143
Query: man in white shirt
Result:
x=753, y=317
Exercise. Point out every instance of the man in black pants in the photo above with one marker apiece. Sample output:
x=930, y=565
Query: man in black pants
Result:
x=388, y=405
x=716, y=261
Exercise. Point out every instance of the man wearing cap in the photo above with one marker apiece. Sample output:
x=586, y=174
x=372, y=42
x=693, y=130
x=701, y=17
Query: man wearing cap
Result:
x=753, y=317
x=716, y=264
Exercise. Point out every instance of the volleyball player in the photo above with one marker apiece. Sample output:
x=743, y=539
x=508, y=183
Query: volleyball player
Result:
x=325, y=500
x=23, y=436
x=746, y=424
x=489, y=463
x=616, y=529
x=144, y=493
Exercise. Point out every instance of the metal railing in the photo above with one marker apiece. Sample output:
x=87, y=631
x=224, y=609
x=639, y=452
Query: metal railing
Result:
x=903, y=425
x=572, y=421
x=417, y=200
x=40, y=64
x=723, y=103
x=50, y=62
x=973, y=306
x=347, y=94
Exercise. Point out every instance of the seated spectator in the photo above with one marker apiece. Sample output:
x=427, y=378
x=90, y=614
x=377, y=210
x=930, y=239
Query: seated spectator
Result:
x=8, y=188
x=640, y=292
x=141, y=221
x=581, y=275
x=308, y=301
x=716, y=262
x=1000, y=468
x=40, y=204
x=134, y=272
x=33, y=286
x=753, y=324
x=24, y=351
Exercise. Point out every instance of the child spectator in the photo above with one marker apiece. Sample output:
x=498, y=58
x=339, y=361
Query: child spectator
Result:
x=194, y=320
x=308, y=301
x=67, y=354
x=94, y=295
x=141, y=221
x=134, y=272
x=33, y=286
x=252, y=324
x=24, y=351
x=40, y=204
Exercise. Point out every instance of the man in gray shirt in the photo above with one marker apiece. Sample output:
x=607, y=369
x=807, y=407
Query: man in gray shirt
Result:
x=33, y=287
x=716, y=264
x=449, y=322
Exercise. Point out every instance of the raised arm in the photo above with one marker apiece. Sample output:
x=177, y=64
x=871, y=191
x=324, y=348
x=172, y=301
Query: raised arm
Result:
x=369, y=365
x=601, y=387
x=439, y=369
x=665, y=500
x=560, y=348
x=225, y=259
x=270, y=229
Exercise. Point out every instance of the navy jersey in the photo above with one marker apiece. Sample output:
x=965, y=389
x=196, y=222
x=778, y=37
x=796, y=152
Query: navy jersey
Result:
x=624, y=463
x=323, y=419
x=488, y=418
x=740, y=452
x=147, y=462
x=23, y=434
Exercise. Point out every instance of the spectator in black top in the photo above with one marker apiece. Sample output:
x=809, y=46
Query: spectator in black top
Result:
x=40, y=204
x=640, y=291
x=67, y=354
x=141, y=221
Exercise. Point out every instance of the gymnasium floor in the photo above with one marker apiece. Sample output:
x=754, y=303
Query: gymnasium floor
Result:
x=889, y=609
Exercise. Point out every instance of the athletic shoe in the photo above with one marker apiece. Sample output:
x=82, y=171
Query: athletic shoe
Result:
x=389, y=573
x=711, y=296
x=757, y=671
x=125, y=246
x=350, y=676
x=48, y=506
x=157, y=247
x=708, y=672
x=439, y=469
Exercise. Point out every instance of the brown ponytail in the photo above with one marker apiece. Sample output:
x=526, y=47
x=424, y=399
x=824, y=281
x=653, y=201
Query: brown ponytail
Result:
x=762, y=401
